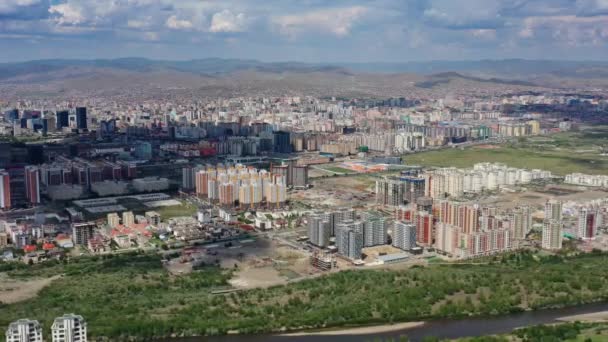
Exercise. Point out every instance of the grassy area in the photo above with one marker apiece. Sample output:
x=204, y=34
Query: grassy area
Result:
x=152, y=303
x=186, y=209
x=560, y=153
x=337, y=169
x=95, y=287
x=560, y=162
x=564, y=332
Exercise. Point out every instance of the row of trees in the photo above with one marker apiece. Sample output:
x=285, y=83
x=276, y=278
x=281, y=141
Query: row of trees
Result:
x=133, y=295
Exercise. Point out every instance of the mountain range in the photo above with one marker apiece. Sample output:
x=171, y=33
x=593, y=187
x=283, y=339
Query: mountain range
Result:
x=235, y=76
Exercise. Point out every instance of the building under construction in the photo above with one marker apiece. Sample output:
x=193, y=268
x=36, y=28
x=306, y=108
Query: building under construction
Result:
x=323, y=260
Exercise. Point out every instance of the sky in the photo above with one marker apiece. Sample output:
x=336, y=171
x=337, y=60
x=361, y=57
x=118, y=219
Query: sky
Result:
x=305, y=30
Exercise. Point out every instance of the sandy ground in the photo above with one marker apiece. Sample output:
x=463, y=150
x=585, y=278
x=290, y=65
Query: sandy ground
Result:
x=538, y=198
x=13, y=290
x=257, y=277
x=591, y=318
x=338, y=192
x=377, y=329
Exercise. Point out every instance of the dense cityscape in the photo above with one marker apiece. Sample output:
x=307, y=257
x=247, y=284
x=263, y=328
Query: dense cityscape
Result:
x=219, y=180
x=232, y=199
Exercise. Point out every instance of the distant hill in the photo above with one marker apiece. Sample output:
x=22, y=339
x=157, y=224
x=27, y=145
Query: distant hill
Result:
x=227, y=77
x=507, y=68
x=446, y=77
x=209, y=66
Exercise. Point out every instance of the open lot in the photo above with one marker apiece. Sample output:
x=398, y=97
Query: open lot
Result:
x=16, y=290
x=164, y=204
x=352, y=191
x=185, y=209
x=537, y=197
x=560, y=153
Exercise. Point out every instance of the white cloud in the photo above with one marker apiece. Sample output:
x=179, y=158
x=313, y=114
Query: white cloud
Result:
x=138, y=23
x=11, y=6
x=488, y=34
x=151, y=36
x=68, y=14
x=178, y=24
x=567, y=30
x=476, y=14
x=337, y=21
x=592, y=7
x=226, y=21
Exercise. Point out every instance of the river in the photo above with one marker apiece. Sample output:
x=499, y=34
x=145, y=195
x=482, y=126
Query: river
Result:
x=469, y=327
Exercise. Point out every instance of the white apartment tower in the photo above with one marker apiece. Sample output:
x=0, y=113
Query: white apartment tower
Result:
x=24, y=330
x=349, y=238
x=318, y=230
x=404, y=235
x=69, y=328
x=553, y=210
x=375, y=231
x=552, y=234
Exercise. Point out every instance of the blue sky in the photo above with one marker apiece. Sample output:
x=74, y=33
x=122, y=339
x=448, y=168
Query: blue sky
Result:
x=305, y=30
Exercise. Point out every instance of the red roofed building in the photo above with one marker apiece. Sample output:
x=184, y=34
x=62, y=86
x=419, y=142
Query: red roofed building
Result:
x=47, y=246
x=29, y=248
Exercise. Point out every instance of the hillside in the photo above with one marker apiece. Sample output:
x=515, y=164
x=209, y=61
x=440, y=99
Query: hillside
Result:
x=227, y=77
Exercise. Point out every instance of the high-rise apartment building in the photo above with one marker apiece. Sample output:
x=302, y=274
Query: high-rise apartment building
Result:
x=81, y=117
x=405, y=213
x=375, y=232
x=589, y=220
x=553, y=210
x=63, y=119
x=113, y=220
x=82, y=233
x=282, y=142
x=24, y=330
x=390, y=191
x=424, y=228
x=32, y=184
x=339, y=216
x=5, y=190
x=413, y=188
x=404, y=235
x=521, y=222
x=349, y=238
x=128, y=219
x=3, y=240
x=202, y=182
x=552, y=234
x=300, y=177
x=189, y=178
x=69, y=328
x=318, y=230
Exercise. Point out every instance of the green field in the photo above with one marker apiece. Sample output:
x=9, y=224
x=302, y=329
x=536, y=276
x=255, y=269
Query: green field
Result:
x=561, y=154
x=564, y=332
x=560, y=163
x=338, y=169
x=133, y=295
x=186, y=209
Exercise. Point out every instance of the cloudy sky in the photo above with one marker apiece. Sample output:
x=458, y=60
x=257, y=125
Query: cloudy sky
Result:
x=305, y=30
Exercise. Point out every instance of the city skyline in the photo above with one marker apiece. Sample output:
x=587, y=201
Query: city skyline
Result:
x=307, y=31
x=303, y=170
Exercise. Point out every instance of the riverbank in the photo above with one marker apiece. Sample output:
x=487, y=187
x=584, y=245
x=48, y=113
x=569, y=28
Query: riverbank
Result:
x=376, y=329
x=418, y=331
x=595, y=317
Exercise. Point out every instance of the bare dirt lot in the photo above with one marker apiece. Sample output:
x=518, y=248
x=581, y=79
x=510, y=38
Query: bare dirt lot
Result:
x=339, y=191
x=257, y=277
x=538, y=197
x=15, y=290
